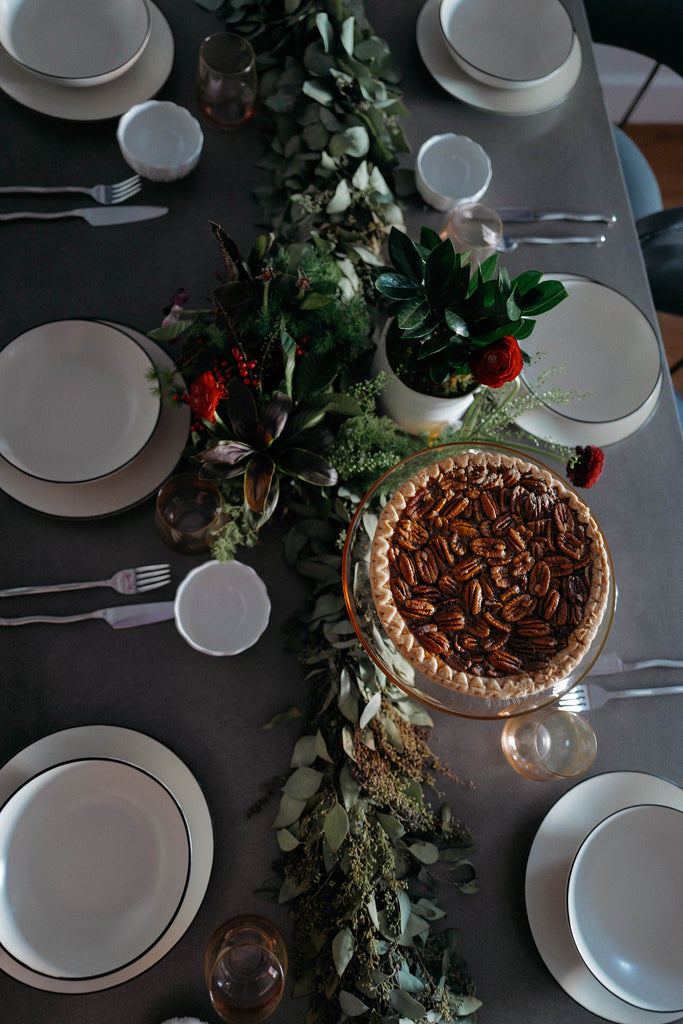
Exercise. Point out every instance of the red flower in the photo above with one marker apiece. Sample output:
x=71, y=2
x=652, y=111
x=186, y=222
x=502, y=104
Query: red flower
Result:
x=499, y=363
x=585, y=468
x=205, y=394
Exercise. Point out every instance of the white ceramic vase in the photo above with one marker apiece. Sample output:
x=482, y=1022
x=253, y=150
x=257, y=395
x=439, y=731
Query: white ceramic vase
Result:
x=411, y=410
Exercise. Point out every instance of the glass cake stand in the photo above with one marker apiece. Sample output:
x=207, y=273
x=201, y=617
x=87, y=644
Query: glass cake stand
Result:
x=361, y=606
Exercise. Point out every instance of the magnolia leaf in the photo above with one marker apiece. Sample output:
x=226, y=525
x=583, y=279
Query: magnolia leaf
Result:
x=370, y=709
x=425, y=853
x=274, y=415
x=303, y=783
x=307, y=466
x=404, y=1004
x=242, y=411
x=286, y=841
x=290, y=811
x=258, y=478
x=351, y=1005
x=226, y=453
x=336, y=827
x=343, y=948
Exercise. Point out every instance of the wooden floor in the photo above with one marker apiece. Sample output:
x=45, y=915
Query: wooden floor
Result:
x=662, y=144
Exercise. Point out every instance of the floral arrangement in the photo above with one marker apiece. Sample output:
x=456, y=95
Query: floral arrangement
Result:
x=284, y=416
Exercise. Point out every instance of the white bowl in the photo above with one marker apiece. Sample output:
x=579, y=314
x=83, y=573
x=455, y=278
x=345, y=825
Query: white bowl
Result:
x=222, y=608
x=625, y=906
x=160, y=140
x=72, y=43
x=452, y=169
x=507, y=45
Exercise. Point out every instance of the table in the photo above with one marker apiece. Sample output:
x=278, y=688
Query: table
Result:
x=210, y=711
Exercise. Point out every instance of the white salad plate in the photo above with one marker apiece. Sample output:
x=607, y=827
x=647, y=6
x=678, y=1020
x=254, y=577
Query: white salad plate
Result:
x=98, y=102
x=72, y=43
x=450, y=76
x=609, y=353
x=132, y=484
x=552, y=853
x=108, y=796
x=509, y=46
x=95, y=859
x=625, y=905
x=75, y=401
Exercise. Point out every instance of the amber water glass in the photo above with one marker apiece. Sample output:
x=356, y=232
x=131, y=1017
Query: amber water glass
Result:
x=549, y=744
x=245, y=967
x=188, y=513
x=227, y=83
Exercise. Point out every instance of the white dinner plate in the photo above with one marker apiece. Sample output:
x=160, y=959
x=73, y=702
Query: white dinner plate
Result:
x=75, y=401
x=132, y=484
x=95, y=861
x=608, y=351
x=561, y=833
x=98, y=102
x=443, y=68
x=508, y=45
x=127, y=748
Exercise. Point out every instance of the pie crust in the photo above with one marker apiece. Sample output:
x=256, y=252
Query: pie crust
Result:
x=489, y=575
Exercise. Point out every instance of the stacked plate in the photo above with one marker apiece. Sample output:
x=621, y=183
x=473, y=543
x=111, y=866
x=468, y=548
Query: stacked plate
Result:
x=516, y=58
x=605, y=898
x=126, y=868
x=78, y=60
x=82, y=432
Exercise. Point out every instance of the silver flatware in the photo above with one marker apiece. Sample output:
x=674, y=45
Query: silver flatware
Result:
x=119, y=617
x=509, y=244
x=524, y=214
x=108, y=195
x=590, y=696
x=608, y=664
x=127, y=581
x=96, y=215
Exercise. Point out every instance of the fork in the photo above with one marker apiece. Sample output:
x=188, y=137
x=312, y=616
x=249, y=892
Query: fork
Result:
x=106, y=195
x=127, y=581
x=508, y=244
x=590, y=696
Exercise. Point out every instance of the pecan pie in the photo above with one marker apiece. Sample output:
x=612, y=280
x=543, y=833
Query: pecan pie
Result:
x=489, y=575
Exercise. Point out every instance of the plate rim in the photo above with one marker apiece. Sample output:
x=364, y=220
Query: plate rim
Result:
x=78, y=324
x=545, y=884
x=128, y=746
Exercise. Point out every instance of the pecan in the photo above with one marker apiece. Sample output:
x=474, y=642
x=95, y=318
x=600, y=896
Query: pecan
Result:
x=505, y=522
x=436, y=643
x=419, y=606
x=506, y=662
x=489, y=505
x=493, y=642
x=493, y=620
x=448, y=584
x=442, y=552
x=544, y=643
x=539, y=579
x=468, y=567
x=563, y=516
x=531, y=627
x=457, y=545
x=410, y=535
x=518, y=607
x=550, y=604
x=472, y=597
x=406, y=567
x=478, y=628
x=450, y=617
x=500, y=576
x=458, y=506
x=570, y=544
x=522, y=564
x=469, y=643
x=559, y=565
x=488, y=547
x=418, y=504
x=463, y=528
x=400, y=589
x=426, y=566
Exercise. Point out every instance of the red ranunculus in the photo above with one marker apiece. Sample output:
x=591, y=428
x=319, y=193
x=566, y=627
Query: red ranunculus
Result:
x=499, y=363
x=205, y=394
x=585, y=469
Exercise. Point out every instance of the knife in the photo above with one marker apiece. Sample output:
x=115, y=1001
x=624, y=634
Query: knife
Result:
x=95, y=215
x=523, y=213
x=120, y=617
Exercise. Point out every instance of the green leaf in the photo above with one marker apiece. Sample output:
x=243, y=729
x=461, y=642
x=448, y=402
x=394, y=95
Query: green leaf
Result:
x=405, y=257
x=336, y=827
x=290, y=811
x=404, y=1004
x=317, y=93
x=343, y=948
x=397, y=286
x=351, y=1005
x=391, y=825
x=286, y=841
x=347, y=35
x=302, y=783
x=371, y=709
x=322, y=23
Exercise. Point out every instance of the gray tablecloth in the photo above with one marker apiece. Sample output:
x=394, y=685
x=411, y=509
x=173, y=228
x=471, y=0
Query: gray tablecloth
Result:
x=210, y=711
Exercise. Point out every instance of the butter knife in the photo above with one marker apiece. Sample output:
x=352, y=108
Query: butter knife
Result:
x=96, y=215
x=523, y=214
x=119, y=617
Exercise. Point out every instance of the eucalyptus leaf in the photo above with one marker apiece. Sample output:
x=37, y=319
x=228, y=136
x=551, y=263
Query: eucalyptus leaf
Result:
x=426, y=853
x=371, y=709
x=302, y=783
x=336, y=827
x=351, y=1005
x=286, y=841
x=343, y=948
x=404, y=1004
x=291, y=809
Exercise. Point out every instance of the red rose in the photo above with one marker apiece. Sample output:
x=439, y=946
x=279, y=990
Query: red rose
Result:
x=499, y=363
x=205, y=394
x=585, y=468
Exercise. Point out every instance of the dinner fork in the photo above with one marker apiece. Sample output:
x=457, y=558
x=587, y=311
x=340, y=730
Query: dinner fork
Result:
x=127, y=581
x=106, y=195
x=508, y=244
x=590, y=696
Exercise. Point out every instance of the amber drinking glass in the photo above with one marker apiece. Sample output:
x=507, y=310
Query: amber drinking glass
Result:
x=550, y=744
x=187, y=513
x=227, y=83
x=245, y=967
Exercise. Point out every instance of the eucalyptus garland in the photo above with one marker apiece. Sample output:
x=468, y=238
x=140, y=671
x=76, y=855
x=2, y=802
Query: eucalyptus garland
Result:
x=363, y=851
